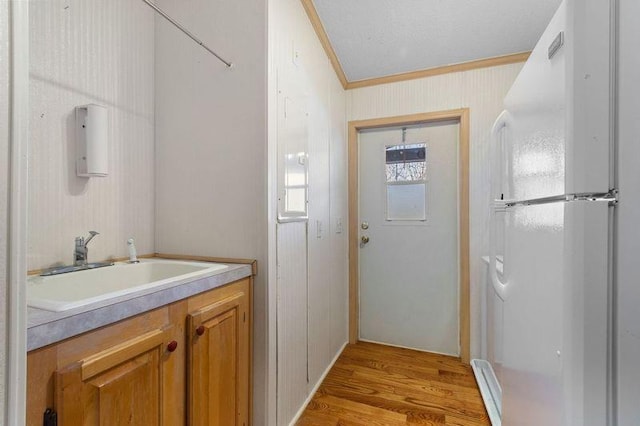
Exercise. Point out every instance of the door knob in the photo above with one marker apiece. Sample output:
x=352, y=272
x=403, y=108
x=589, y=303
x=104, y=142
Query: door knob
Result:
x=364, y=239
x=200, y=330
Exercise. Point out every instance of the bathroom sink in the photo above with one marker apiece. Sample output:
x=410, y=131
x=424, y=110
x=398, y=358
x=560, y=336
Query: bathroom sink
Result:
x=67, y=291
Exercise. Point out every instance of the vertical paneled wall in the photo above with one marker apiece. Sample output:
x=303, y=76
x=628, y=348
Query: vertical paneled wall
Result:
x=4, y=180
x=480, y=90
x=292, y=317
x=338, y=313
x=102, y=52
x=304, y=72
x=211, y=164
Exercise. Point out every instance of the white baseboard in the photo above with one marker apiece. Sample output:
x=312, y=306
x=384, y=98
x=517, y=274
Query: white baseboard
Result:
x=317, y=385
x=489, y=389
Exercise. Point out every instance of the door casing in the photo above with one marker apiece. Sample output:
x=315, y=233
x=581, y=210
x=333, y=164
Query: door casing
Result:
x=462, y=117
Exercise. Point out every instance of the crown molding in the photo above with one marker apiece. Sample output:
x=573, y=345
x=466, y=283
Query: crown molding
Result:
x=430, y=72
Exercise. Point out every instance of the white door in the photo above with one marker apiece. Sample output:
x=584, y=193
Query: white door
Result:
x=409, y=213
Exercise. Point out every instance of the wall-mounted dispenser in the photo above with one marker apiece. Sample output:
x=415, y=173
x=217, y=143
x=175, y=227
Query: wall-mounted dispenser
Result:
x=92, y=142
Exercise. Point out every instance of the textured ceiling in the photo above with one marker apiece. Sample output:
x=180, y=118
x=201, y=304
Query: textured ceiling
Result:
x=376, y=38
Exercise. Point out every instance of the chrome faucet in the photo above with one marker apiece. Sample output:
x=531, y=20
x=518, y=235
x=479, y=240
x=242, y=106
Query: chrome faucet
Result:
x=80, y=253
x=79, y=259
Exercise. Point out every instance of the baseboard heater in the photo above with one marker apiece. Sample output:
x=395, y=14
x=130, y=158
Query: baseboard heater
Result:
x=489, y=389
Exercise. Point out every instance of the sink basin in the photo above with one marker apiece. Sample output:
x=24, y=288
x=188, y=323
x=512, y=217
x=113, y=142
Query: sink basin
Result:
x=67, y=291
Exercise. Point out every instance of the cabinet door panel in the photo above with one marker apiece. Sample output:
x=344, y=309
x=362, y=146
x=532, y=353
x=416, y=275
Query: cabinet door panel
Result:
x=119, y=386
x=218, y=363
x=223, y=358
x=129, y=394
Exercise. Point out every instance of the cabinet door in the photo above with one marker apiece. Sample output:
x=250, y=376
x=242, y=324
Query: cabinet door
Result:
x=218, y=363
x=122, y=385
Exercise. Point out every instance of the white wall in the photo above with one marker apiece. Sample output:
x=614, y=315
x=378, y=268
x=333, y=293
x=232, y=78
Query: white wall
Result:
x=323, y=306
x=211, y=189
x=90, y=51
x=480, y=90
x=628, y=297
x=4, y=180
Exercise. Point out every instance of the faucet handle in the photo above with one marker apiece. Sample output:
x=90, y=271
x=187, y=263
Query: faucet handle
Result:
x=91, y=235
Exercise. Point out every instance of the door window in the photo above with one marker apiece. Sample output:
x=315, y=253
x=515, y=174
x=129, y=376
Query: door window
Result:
x=406, y=181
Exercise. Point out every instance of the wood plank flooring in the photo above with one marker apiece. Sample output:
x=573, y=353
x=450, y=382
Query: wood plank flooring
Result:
x=378, y=385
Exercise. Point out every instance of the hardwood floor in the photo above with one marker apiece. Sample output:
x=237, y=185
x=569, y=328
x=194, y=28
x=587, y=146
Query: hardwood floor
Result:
x=373, y=385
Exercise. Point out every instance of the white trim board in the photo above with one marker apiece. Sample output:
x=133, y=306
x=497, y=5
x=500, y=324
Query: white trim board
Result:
x=488, y=385
x=19, y=139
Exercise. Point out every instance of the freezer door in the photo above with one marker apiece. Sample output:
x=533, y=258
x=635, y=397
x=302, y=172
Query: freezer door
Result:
x=590, y=76
x=561, y=107
x=537, y=119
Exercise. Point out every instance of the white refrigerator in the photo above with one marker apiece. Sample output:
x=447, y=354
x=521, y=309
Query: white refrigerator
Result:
x=552, y=223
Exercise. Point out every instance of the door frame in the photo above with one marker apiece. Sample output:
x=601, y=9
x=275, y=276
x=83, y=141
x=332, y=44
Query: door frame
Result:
x=354, y=127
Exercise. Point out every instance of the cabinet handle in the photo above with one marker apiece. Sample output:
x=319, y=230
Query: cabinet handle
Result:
x=200, y=330
x=172, y=346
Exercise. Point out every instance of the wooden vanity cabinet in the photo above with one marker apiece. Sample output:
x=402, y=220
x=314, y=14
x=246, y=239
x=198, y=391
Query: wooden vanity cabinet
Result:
x=122, y=385
x=218, y=358
x=185, y=363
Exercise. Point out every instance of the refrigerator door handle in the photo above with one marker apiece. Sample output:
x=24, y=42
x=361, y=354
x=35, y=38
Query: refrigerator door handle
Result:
x=610, y=197
x=499, y=286
x=497, y=182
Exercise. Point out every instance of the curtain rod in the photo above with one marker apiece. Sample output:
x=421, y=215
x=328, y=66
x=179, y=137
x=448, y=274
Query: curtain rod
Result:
x=184, y=30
